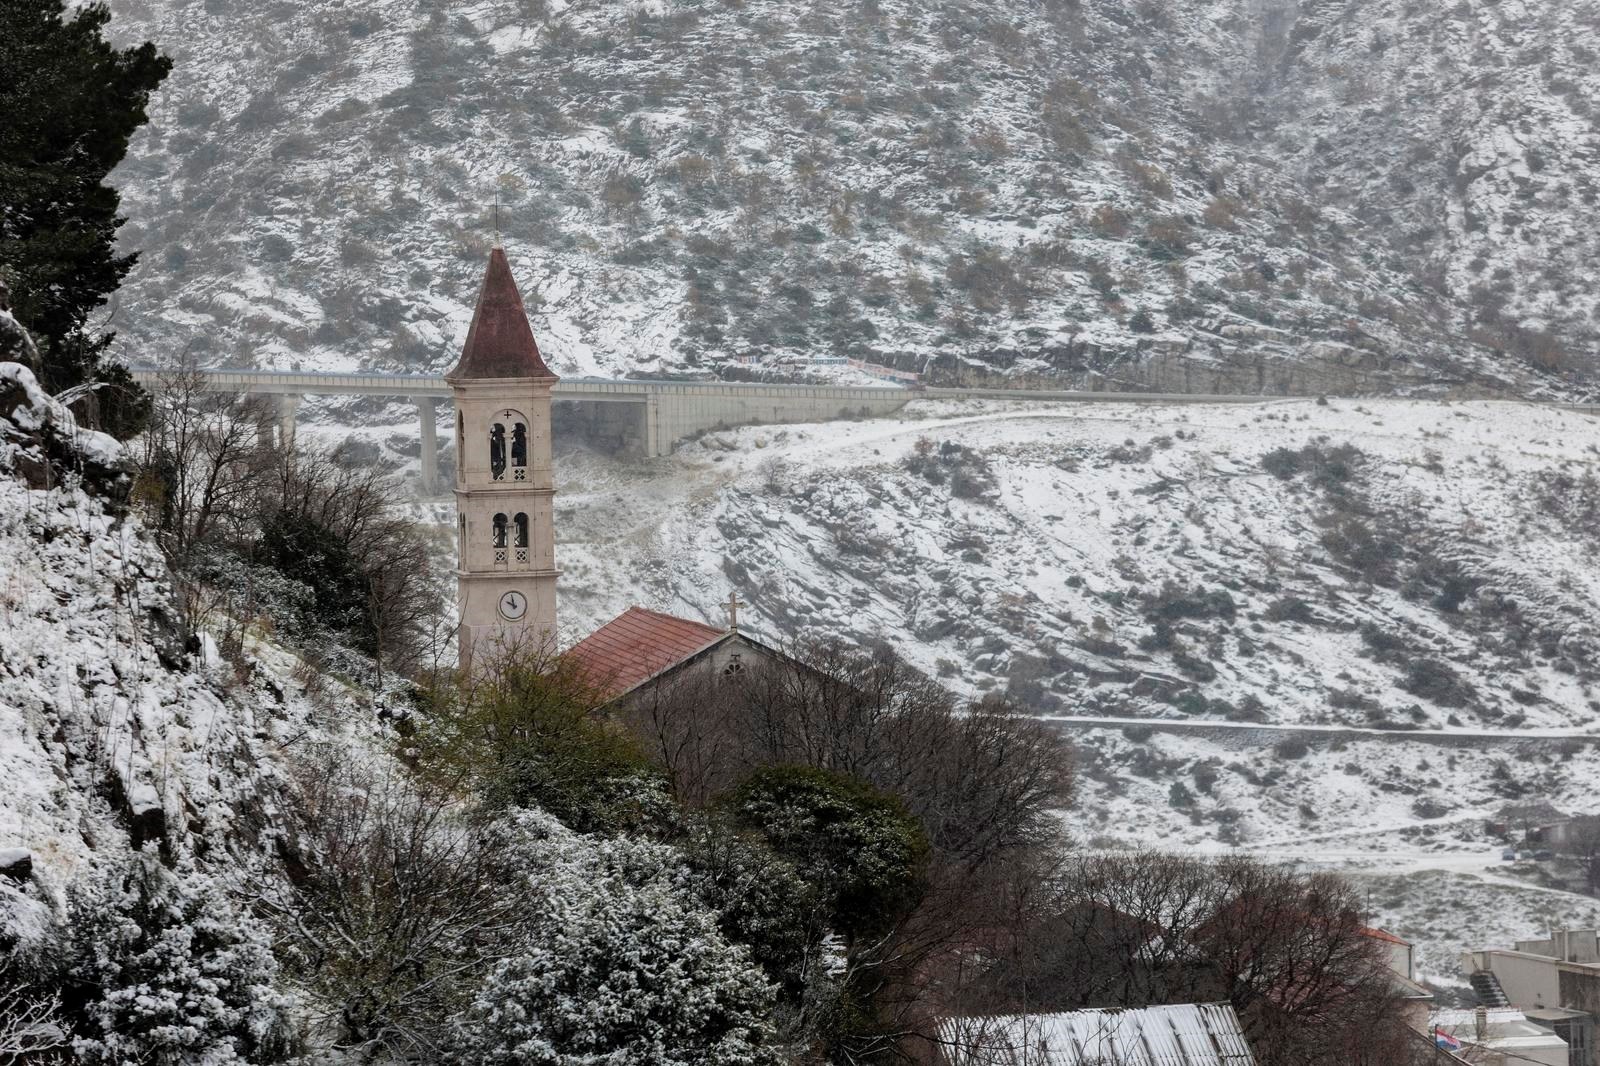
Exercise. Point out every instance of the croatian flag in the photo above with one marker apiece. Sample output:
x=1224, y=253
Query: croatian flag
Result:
x=1445, y=1040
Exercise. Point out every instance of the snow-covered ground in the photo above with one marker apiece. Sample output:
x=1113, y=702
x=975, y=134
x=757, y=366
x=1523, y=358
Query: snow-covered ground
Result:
x=112, y=733
x=1043, y=573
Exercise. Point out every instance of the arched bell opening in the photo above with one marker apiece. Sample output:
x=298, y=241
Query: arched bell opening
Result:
x=519, y=451
x=501, y=533
x=497, y=451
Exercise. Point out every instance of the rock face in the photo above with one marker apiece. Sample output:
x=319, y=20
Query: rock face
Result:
x=42, y=444
x=111, y=737
x=15, y=344
x=16, y=863
x=1375, y=196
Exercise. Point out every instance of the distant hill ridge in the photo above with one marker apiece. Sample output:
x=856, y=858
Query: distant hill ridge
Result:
x=1364, y=196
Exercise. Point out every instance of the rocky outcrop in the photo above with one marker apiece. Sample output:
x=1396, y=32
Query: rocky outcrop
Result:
x=41, y=441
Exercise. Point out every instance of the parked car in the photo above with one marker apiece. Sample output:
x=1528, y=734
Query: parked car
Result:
x=1509, y=855
x=1543, y=855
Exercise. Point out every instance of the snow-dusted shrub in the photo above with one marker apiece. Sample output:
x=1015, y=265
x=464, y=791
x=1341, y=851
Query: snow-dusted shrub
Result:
x=529, y=732
x=32, y=1028
x=1292, y=747
x=403, y=901
x=1437, y=681
x=166, y=970
x=1176, y=601
x=1329, y=467
x=617, y=962
x=967, y=471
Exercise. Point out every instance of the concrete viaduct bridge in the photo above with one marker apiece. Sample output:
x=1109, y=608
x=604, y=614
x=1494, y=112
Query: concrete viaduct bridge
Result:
x=650, y=417
x=646, y=417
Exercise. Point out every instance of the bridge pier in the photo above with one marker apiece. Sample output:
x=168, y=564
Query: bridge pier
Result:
x=426, y=415
x=651, y=427
x=288, y=404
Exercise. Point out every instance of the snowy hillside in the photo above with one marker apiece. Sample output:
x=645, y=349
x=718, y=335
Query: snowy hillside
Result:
x=1191, y=197
x=1376, y=569
x=1131, y=560
x=1414, y=580
x=1468, y=141
x=112, y=734
x=1146, y=563
x=173, y=823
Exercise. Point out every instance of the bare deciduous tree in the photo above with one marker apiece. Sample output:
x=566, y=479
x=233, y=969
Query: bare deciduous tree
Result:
x=1582, y=845
x=31, y=1029
x=982, y=778
x=1288, y=951
x=212, y=481
x=397, y=907
x=201, y=453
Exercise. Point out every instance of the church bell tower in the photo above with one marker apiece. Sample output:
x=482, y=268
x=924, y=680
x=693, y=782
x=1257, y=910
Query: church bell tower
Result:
x=505, y=569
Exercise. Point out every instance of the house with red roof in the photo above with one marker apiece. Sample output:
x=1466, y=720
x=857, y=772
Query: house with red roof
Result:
x=1403, y=965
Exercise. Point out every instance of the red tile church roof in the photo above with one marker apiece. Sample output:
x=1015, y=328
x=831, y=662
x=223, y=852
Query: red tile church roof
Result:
x=500, y=342
x=637, y=645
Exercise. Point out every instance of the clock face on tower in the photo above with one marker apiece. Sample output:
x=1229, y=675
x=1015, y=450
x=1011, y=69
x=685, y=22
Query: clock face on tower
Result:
x=513, y=605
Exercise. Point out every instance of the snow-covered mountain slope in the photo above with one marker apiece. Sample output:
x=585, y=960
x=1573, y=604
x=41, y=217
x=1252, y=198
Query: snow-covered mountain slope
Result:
x=1467, y=136
x=112, y=733
x=1416, y=579
x=1127, y=559
x=1176, y=196
x=1377, y=565
x=291, y=882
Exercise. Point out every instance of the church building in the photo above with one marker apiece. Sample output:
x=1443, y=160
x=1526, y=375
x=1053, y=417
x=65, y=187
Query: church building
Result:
x=505, y=521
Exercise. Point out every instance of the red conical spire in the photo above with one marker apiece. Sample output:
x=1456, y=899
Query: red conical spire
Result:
x=500, y=342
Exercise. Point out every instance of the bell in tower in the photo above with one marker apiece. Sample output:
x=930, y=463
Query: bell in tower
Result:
x=505, y=569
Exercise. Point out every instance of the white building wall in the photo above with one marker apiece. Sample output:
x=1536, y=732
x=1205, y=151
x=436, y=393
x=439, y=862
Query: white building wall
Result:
x=1400, y=960
x=1544, y=1054
x=1529, y=981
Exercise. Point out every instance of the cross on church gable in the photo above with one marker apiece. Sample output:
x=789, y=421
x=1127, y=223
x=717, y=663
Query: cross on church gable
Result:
x=733, y=606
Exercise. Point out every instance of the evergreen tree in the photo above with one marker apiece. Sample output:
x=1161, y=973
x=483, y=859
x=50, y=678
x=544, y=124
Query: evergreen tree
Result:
x=70, y=102
x=165, y=971
x=860, y=843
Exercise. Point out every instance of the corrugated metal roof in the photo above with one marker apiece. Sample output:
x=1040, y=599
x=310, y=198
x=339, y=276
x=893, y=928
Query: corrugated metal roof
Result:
x=1190, y=1034
x=637, y=645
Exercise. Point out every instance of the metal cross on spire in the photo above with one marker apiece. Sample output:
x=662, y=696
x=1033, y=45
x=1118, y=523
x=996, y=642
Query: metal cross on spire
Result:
x=733, y=606
x=497, y=217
